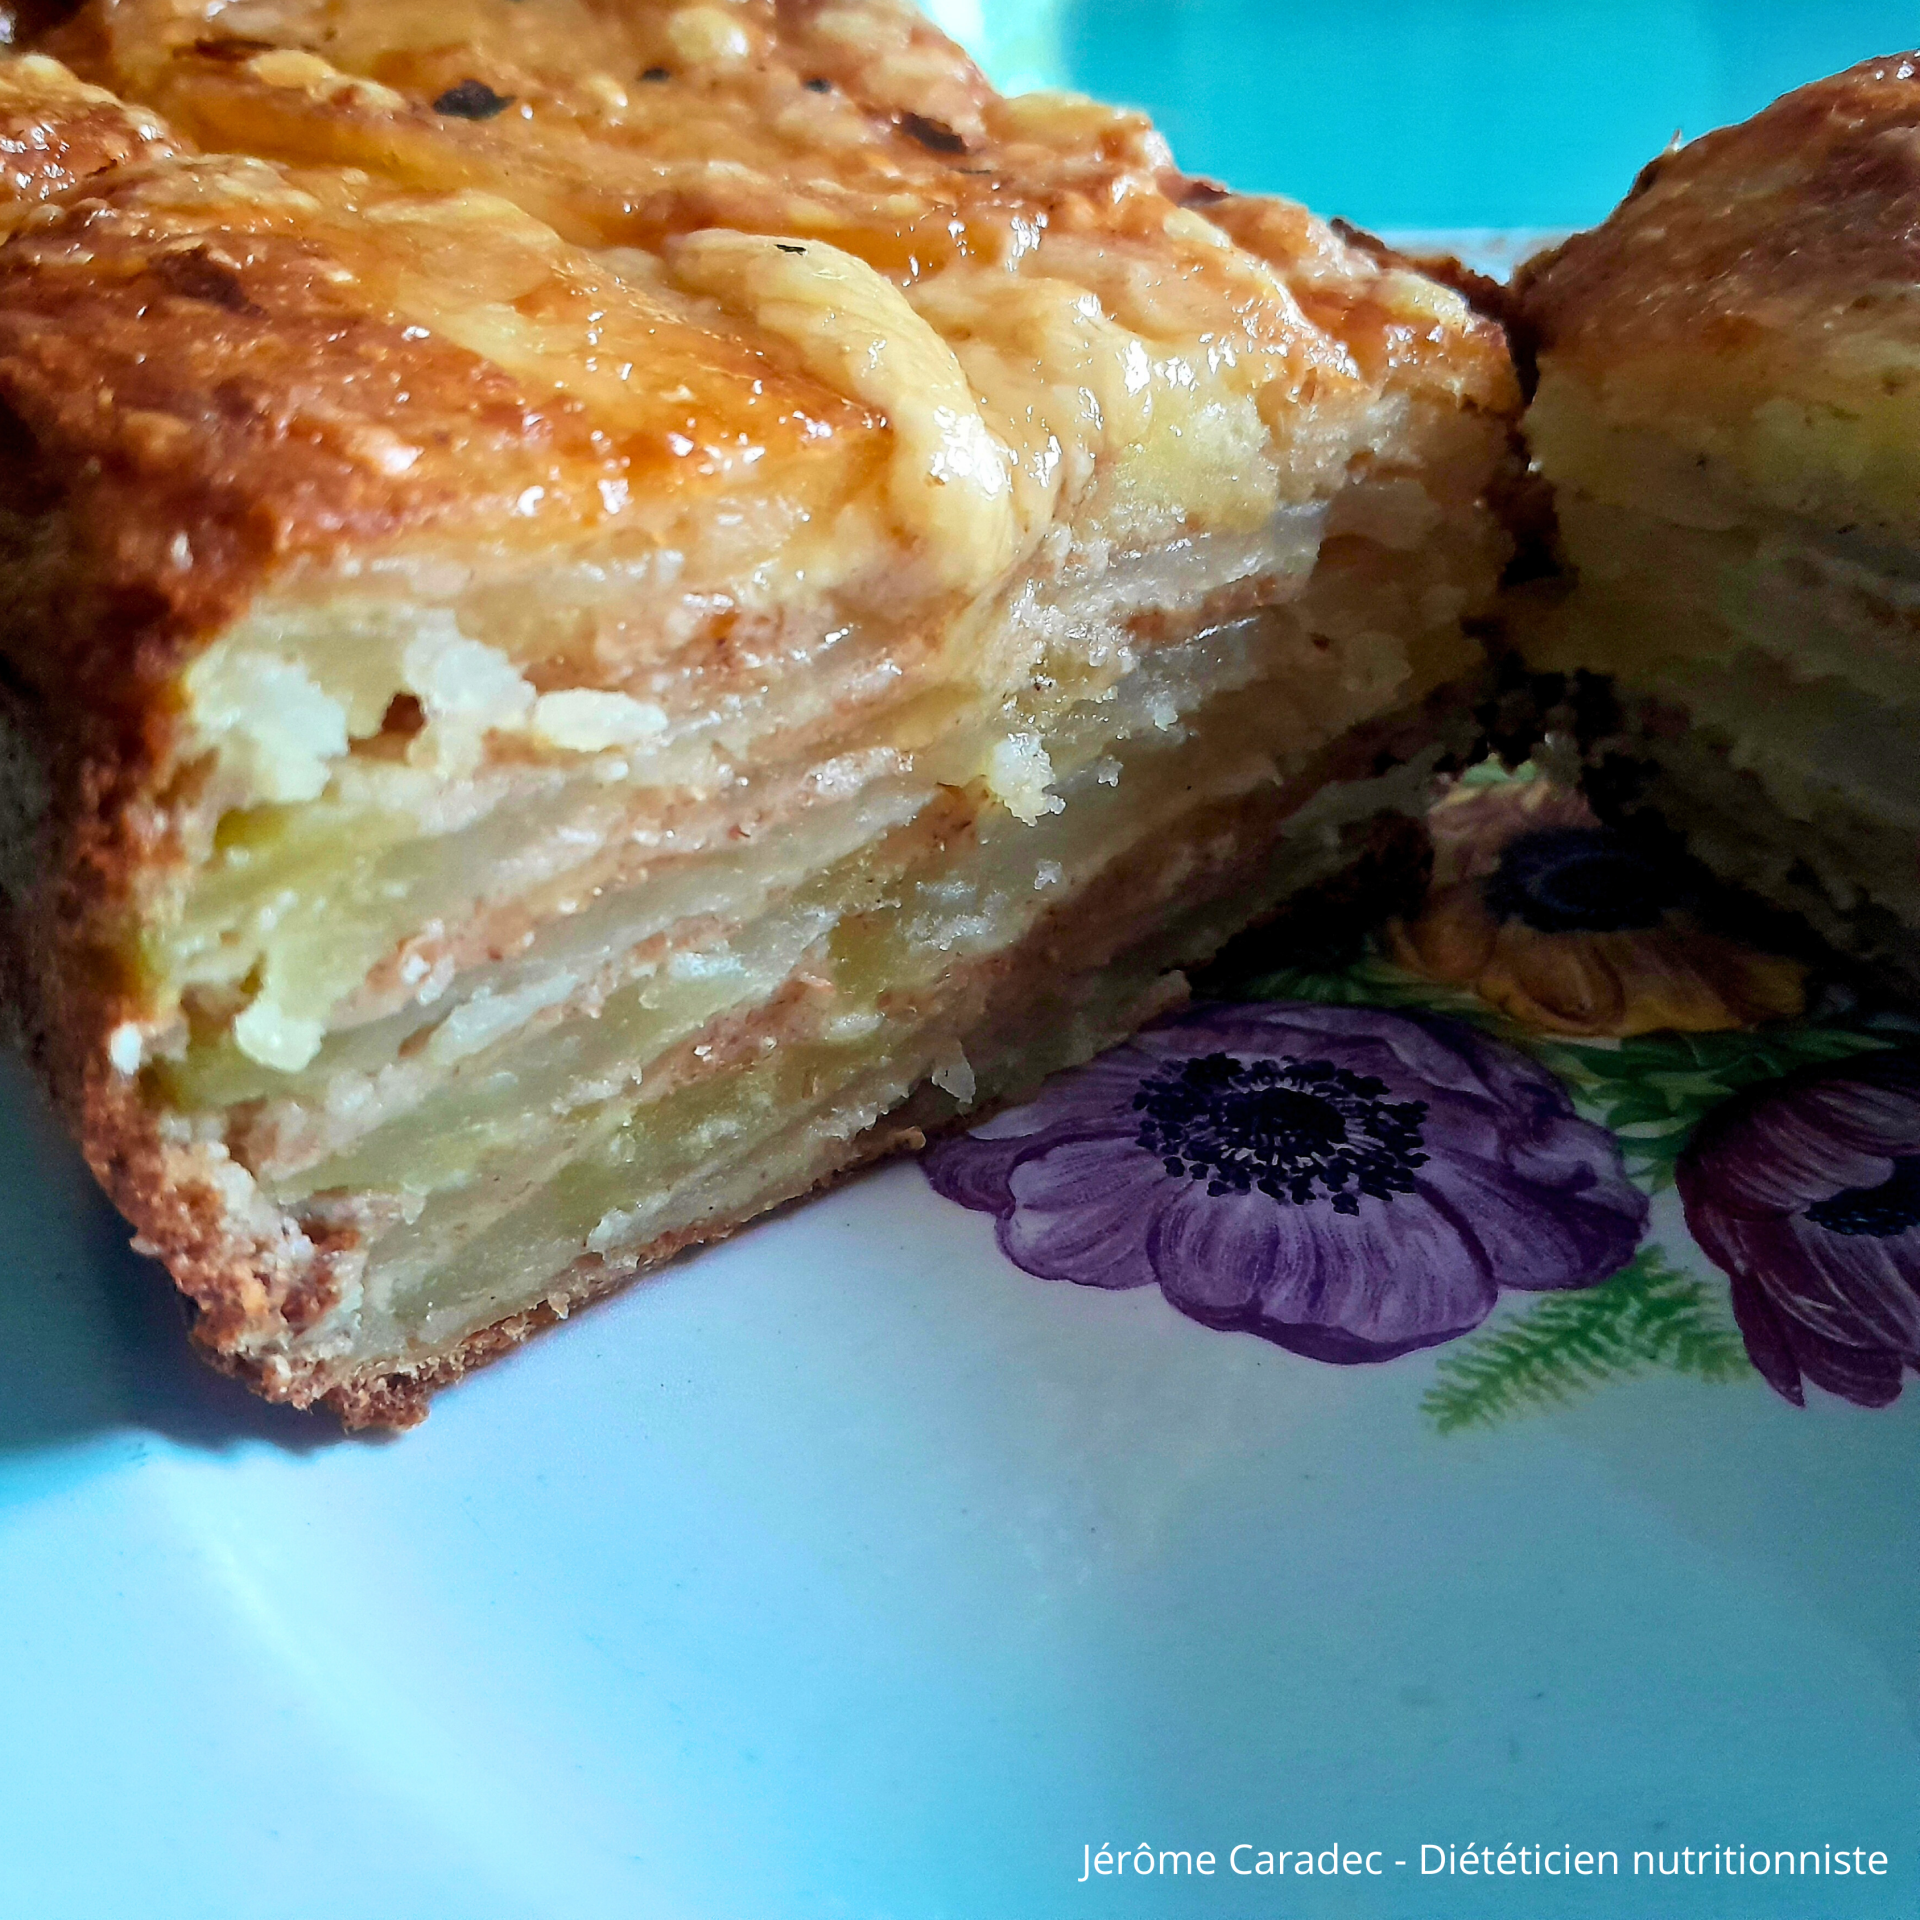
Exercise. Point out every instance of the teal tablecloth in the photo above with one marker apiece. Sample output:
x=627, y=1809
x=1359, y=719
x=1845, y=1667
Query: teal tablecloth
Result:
x=1430, y=113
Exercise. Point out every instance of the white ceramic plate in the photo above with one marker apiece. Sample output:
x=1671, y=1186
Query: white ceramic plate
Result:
x=848, y=1570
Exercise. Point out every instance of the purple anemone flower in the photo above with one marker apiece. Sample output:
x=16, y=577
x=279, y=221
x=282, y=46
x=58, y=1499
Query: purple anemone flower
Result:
x=1807, y=1191
x=1346, y=1182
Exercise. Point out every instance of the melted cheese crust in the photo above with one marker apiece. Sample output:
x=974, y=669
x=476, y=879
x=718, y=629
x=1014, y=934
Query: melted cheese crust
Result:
x=1752, y=302
x=792, y=181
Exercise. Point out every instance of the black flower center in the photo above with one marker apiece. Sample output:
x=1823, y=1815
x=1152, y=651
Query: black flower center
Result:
x=1283, y=1127
x=1579, y=880
x=1891, y=1207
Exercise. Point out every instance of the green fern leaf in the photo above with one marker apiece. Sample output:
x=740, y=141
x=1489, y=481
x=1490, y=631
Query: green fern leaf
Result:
x=1376, y=981
x=1647, y=1315
x=1654, y=1089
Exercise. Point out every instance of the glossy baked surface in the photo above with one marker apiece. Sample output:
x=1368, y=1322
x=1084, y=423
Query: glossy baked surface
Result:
x=854, y=127
x=1749, y=302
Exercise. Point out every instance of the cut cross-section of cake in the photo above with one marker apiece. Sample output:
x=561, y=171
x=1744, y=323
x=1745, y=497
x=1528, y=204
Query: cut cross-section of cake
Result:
x=608, y=611
x=1729, y=412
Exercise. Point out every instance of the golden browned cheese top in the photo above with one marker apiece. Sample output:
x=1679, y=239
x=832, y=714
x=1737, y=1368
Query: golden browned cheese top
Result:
x=628, y=122
x=1782, y=254
x=504, y=276
x=56, y=132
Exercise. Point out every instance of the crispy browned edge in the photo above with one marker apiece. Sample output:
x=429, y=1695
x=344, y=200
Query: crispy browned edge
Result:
x=207, y=438
x=1680, y=262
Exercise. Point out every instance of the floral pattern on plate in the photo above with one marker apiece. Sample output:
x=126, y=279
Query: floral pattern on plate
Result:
x=1571, y=927
x=1346, y=1182
x=1807, y=1192
x=1357, y=1165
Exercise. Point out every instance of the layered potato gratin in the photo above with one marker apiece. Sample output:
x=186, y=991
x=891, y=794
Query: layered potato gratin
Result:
x=609, y=608
x=1729, y=412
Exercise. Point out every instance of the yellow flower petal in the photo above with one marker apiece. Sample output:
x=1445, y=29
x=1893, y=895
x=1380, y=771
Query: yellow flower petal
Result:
x=1451, y=941
x=1670, y=978
x=1564, y=983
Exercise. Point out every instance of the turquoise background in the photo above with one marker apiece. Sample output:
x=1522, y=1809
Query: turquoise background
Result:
x=1420, y=113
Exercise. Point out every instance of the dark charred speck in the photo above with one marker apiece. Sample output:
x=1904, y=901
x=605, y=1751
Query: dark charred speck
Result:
x=657, y=74
x=230, y=53
x=196, y=276
x=935, y=135
x=472, y=100
x=788, y=246
x=817, y=85
x=404, y=716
